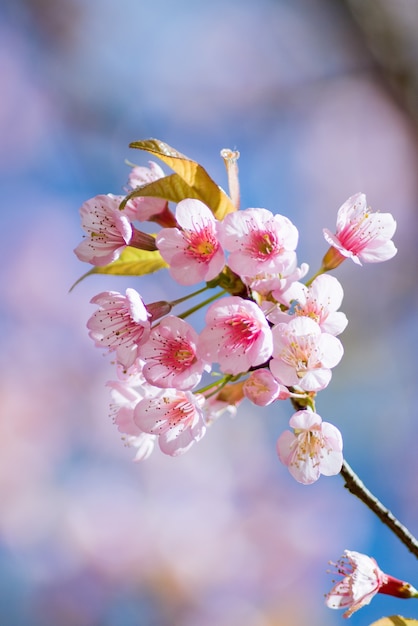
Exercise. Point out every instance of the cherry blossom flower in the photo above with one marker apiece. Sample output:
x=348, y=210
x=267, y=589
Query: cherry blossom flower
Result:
x=319, y=302
x=258, y=241
x=109, y=231
x=237, y=335
x=314, y=448
x=124, y=398
x=361, y=235
x=120, y=324
x=262, y=388
x=176, y=417
x=169, y=355
x=362, y=580
x=303, y=356
x=192, y=250
x=284, y=287
x=143, y=208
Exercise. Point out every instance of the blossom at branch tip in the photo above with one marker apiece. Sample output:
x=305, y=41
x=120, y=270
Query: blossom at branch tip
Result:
x=175, y=417
x=237, y=335
x=121, y=324
x=362, y=580
x=303, y=356
x=193, y=250
x=169, y=355
x=362, y=235
x=108, y=230
x=258, y=241
x=313, y=448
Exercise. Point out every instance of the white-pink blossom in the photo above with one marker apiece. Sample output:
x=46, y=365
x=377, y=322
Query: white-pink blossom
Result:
x=313, y=448
x=193, y=250
x=362, y=580
x=169, y=355
x=320, y=302
x=258, y=241
x=121, y=324
x=176, y=417
x=237, y=335
x=303, y=356
x=124, y=398
x=144, y=208
x=108, y=230
x=362, y=235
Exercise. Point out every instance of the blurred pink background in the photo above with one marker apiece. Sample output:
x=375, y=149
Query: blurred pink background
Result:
x=321, y=100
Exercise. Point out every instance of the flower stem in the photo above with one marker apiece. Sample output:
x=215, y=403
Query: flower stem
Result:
x=357, y=488
x=190, y=295
x=193, y=309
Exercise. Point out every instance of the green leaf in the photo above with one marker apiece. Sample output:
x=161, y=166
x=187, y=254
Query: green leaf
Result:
x=395, y=620
x=132, y=262
x=198, y=182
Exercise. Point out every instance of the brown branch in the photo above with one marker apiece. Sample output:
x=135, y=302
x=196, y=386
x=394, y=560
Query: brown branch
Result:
x=357, y=488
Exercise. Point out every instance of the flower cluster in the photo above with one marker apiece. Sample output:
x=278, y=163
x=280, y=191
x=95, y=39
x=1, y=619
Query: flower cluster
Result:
x=268, y=336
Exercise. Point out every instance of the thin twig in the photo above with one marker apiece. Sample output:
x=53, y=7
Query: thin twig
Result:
x=357, y=488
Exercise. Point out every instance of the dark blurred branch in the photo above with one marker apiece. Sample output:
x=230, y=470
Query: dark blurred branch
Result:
x=357, y=488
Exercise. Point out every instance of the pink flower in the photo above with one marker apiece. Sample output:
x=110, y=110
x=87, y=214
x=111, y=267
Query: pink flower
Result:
x=145, y=208
x=193, y=250
x=258, y=241
x=120, y=324
x=362, y=580
x=321, y=301
x=262, y=388
x=303, y=356
x=109, y=230
x=124, y=398
x=314, y=448
x=176, y=417
x=361, y=235
x=237, y=335
x=170, y=355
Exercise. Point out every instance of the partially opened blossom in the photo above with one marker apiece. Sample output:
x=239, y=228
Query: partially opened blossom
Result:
x=175, y=417
x=284, y=287
x=362, y=580
x=313, y=448
x=193, y=250
x=169, y=355
x=109, y=231
x=258, y=241
x=361, y=235
x=143, y=208
x=237, y=335
x=303, y=355
x=121, y=324
x=125, y=395
x=262, y=388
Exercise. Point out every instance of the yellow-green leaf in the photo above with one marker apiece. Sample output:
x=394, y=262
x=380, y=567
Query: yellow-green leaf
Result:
x=395, y=620
x=132, y=262
x=193, y=174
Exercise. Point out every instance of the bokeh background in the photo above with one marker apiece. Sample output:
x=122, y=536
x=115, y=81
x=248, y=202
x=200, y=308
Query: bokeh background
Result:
x=321, y=99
